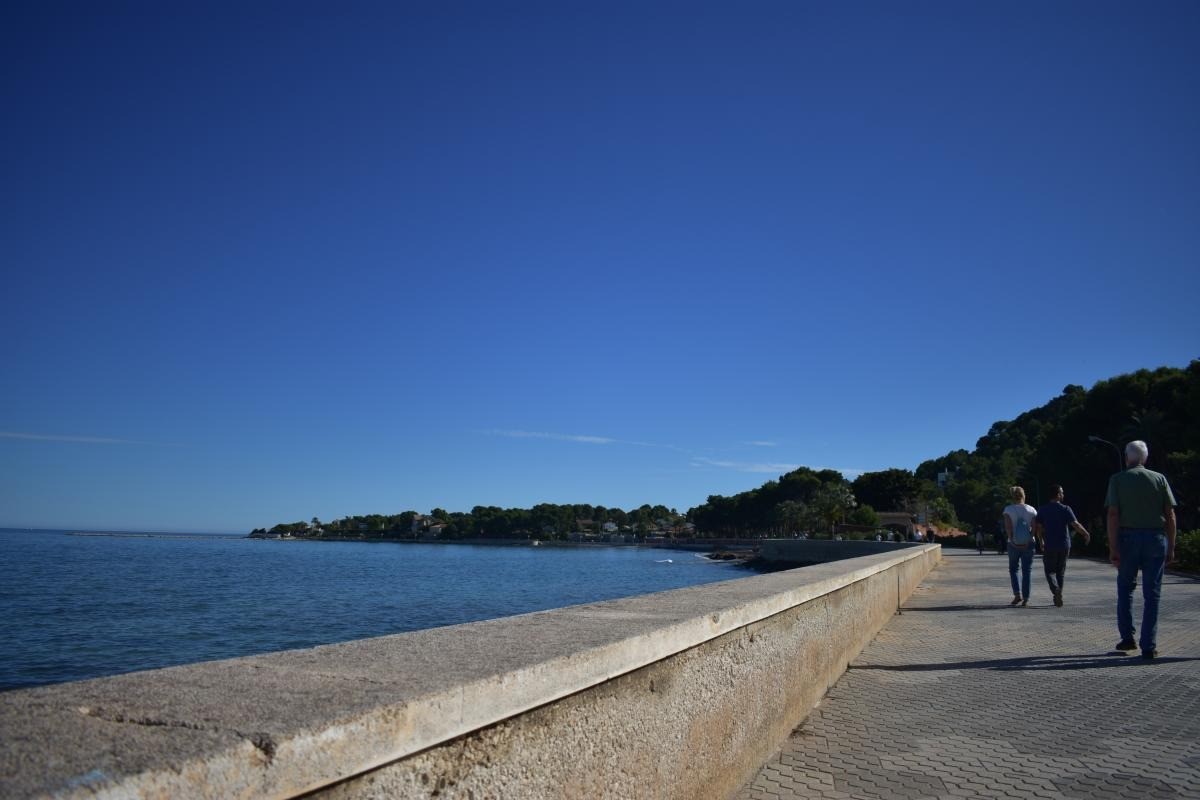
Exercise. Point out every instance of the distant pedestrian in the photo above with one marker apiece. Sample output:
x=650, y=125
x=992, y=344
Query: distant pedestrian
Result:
x=1055, y=522
x=1141, y=536
x=979, y=539
x=1019, y=518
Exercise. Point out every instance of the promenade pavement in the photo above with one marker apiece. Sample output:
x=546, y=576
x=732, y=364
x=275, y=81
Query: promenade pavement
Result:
x=964, y=696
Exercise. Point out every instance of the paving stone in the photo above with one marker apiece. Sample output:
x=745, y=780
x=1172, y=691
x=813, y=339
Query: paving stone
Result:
x=962, y=695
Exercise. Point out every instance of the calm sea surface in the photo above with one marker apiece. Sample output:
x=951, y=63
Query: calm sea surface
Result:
x=74, y=607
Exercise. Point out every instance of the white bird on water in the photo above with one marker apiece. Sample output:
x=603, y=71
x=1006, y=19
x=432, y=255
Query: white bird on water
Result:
x=665, y=561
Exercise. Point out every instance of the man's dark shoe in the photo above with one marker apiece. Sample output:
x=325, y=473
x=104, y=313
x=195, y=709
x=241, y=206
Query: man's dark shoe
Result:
x=1058, y=599
x=1149, y=655
x=1126, y=645
x=1016, y=600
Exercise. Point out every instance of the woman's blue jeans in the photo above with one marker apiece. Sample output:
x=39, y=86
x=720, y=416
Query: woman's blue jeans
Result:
x=1024, y=556
x=1142, y=549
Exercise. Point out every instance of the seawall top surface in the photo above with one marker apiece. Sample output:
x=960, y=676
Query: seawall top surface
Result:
x=284, y=723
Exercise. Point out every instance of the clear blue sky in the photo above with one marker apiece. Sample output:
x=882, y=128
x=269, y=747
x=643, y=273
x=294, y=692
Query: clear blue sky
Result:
x=265, y=261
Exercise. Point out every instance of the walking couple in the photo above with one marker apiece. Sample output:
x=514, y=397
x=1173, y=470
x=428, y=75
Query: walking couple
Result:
x=1051, y=526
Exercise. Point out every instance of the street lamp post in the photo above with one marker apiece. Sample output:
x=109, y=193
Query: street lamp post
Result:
x=1117, y=450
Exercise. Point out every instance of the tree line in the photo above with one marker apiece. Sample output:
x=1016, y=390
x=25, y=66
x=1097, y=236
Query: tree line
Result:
x=543, y=521
x=1074, y=440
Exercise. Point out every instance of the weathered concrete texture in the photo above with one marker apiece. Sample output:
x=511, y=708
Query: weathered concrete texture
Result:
x=287, y=723
x=964, y=696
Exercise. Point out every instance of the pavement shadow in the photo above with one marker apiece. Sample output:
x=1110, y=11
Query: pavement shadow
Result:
x=1111, y=660
x=955, y=608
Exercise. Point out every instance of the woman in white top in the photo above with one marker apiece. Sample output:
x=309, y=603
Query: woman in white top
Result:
x=1018, y=524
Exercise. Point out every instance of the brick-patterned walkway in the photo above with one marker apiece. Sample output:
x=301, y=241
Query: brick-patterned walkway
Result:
x=963, y=696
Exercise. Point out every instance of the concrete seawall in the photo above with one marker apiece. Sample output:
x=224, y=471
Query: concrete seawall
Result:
x=679, y=694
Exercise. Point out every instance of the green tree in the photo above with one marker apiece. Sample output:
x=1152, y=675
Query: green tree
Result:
x=889, y=489
x=863, y=515
x=829, y=505
x=789, y=515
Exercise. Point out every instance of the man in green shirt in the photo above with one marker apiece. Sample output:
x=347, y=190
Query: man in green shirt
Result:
x=1141, y=536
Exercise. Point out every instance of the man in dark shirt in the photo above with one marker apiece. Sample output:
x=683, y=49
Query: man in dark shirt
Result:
x=1055, y=521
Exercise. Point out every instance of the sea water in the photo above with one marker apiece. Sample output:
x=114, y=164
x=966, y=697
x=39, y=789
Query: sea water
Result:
x=82, y=606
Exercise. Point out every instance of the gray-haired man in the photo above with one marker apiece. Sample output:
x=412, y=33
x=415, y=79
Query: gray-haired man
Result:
x=1141, y=536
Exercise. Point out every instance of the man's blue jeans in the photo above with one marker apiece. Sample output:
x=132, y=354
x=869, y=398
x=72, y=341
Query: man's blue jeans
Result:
x=1023, y=556
x=1142, y=549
